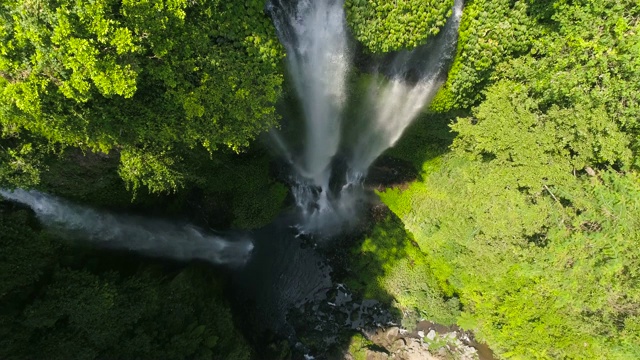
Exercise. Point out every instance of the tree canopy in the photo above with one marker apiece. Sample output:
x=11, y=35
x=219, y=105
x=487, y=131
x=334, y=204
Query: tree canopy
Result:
x=532, y=219
x=60, y=302
x=523, y=227
x=388, y=25
x=141, y=78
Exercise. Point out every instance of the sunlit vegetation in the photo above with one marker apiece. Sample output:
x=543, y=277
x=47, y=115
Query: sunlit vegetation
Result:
x=532, y=218
x=387, y=25
x=389, y=266
x=523, y=225
x=142, y=79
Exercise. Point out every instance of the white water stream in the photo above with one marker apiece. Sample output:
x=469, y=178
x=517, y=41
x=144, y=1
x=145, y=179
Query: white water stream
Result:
x=394, y=101
x=314, y=35
x=316, y=38
x=145, y=235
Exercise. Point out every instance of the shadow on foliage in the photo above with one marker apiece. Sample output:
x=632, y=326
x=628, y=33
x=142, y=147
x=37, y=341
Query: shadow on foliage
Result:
x=384, y=264
x=377, y=261
x=60, y=300
x=221, y=191
x=425, y=141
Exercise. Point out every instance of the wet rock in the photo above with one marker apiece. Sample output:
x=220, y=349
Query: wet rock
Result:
x=377, y=355
x=388, y=337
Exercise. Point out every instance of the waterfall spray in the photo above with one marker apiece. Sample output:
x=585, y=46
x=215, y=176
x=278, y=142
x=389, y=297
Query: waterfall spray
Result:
x=144, y=235
x=315, y=36
x=314, y=33
x=398, y=94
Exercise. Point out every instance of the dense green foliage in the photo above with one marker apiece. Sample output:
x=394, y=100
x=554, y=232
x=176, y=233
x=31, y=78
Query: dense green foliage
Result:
x=532, y=219
x=389, y=267
x=524, y=230
x=21, y=161
x=387, y=25
x=358, y=347
x=61, y=303
x=490, y=31
x=536, y=277
x=141, y=78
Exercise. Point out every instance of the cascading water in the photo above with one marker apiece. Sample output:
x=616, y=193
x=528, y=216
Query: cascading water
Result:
x=140, y=234
x=315, y=36
x=284, y=272
x=398, y=95
x=314, y=33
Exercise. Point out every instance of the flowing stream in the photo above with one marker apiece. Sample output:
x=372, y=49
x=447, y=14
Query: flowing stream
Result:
x=400, y=92
x=314, y=35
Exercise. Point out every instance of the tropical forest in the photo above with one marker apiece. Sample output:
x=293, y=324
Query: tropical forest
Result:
x=320, y=179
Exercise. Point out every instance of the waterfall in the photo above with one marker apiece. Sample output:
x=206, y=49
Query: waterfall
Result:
x=315, y=36
x=141, y=234
x=399, y=94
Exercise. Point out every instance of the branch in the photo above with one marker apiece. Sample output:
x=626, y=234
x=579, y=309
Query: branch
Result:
x=554, y=197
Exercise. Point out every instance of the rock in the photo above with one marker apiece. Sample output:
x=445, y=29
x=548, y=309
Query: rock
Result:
x=385, y=338
x=399, y=344
x=376, y=355
x=467, y=353
x=442, y=352
x=414, y=350
x=387, y=172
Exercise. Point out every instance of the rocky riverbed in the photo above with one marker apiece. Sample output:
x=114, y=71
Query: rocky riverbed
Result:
x=428, y=341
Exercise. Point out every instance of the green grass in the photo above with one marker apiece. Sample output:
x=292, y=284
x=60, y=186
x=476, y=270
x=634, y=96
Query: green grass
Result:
x=390, y=266
x=358, y=347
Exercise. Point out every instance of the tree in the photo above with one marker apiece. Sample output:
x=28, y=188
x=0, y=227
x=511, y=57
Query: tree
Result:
x=490, y=33
x=26, y=252
x=21, y=160
x=63, y=302
x=389, y=25
x=533, y=218
x=139, y=77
